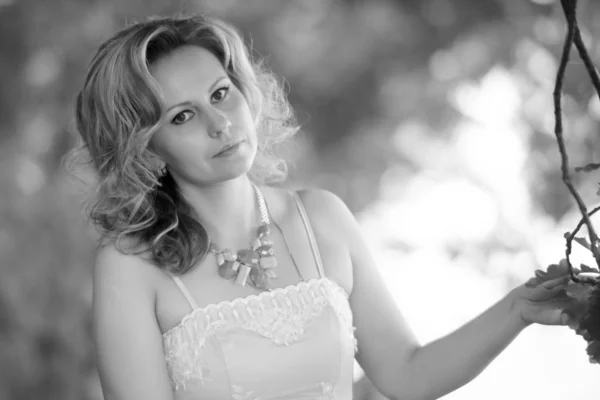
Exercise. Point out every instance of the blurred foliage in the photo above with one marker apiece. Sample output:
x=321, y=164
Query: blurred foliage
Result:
x=358, y=72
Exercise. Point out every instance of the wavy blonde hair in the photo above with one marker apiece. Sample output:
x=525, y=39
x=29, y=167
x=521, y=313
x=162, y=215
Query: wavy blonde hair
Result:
x=120, y=107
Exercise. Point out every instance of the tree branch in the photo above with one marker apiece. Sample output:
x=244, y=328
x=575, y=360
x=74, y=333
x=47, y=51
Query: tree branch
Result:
x=569, y=8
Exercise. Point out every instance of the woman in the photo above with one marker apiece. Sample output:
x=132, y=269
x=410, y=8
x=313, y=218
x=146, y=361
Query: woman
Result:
x=209, y=284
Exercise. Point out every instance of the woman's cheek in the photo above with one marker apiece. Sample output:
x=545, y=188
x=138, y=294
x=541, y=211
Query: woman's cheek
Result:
x=234, y=102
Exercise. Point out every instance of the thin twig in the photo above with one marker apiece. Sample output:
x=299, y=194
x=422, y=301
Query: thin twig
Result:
x=585, y=56
x=569, y=8
x=570, y=238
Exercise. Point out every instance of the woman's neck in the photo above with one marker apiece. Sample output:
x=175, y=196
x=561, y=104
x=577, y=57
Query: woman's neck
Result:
x=227, y=210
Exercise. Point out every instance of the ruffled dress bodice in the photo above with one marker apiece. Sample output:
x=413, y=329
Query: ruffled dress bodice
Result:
x=292, y=343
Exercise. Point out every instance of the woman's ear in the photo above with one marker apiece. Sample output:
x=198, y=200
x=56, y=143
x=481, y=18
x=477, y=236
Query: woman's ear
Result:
x=156, y=161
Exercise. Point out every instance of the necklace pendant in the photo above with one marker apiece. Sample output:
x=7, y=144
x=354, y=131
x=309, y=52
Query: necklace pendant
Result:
x=259, y=278
x=265, y=250
x=247, y=256
x=228, y=255
x=268, y=262
x=263, y=231
x=242, y=275
x=266, y=242
x=270, y=273
x=229, y=269
x=256, y=263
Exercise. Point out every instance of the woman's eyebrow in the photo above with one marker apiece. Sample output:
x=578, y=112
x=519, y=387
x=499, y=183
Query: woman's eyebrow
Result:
x=188, y=102
x=219, y=79
x=184, y=103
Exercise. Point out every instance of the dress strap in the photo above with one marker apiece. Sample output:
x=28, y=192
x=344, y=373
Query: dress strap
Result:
x=185, y=292
x=311, y=236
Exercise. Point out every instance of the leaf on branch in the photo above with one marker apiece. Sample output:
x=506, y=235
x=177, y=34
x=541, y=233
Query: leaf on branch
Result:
x=585, y=268
x=588, y=168
x=583, y=242
x=552, y=271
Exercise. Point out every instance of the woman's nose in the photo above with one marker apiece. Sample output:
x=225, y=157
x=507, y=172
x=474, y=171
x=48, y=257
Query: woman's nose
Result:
x=219, y=124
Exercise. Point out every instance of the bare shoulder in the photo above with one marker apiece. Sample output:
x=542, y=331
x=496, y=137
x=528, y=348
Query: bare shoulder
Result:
x=323, y=201
x=326, y=211
x=118, y=270
x=111, y=257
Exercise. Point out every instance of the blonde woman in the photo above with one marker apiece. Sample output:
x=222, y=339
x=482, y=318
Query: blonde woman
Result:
x=211, y=284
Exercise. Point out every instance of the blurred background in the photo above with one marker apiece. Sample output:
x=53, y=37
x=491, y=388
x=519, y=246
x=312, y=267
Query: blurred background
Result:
x=432, y=119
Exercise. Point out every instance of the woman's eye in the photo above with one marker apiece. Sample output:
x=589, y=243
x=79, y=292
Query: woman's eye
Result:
x=182, y=117
x=221, y=93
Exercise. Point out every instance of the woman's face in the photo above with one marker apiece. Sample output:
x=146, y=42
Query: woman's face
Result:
x=208, y=133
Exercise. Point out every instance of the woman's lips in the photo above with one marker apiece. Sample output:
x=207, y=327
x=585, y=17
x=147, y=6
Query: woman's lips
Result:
x=229, y=149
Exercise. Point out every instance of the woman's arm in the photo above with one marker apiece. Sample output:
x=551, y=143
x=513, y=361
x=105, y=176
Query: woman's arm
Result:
x=452, y=361
x=129, y=352
x=388, y=352
x=457, y=358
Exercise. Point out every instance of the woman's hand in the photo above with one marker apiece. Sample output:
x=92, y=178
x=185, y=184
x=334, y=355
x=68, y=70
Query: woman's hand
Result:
x=543, y=299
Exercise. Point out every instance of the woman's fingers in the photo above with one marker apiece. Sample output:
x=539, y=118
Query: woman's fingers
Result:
x=561, y=281
x=555, y=288
x=540, y=273
x=543, y=294
x=552, y=283
x=555, y=317
x=556, y=297
x=554, y=270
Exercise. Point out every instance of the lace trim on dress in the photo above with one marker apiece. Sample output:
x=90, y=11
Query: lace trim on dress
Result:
x=279, y=315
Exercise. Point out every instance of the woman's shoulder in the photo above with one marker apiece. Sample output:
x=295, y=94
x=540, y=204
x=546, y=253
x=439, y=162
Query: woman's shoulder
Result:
x=321, y=201
x=326, y=210
x=125, y=250
x=126, y=263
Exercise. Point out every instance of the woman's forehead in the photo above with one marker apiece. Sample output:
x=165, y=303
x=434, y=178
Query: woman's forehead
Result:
x=187, y=68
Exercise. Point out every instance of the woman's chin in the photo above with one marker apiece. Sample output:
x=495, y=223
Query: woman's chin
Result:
x=236, y=169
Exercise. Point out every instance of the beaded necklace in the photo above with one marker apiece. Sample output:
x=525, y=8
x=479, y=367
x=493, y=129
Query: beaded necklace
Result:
x=255, y=265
